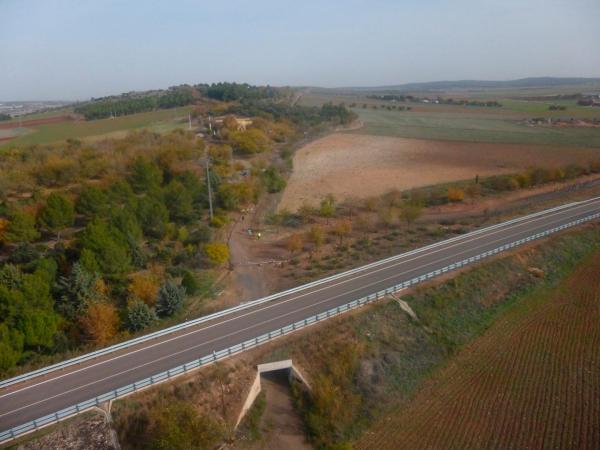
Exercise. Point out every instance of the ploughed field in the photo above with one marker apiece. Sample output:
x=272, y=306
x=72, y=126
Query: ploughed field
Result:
x=531, y=381
x=358, y=165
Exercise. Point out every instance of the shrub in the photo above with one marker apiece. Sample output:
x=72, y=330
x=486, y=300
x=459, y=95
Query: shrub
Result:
x=249, y=141
x=217, y=253
x=456, y=194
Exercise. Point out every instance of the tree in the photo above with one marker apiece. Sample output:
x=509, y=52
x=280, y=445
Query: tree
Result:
x=39, y=327
x=145, y=176
x=11, y=347
x=152, y=215
x=57, y=214
x=76, y=291
x=92, y=201
x=170, y=299
x=140, y=315
x=234, y=195
x=21, y=227
x=4, y=224
x=327, y=207
x=411, y=212
x=179, y=202
x=144, y=287
x=295, y=243
x=342, y=229
x=316, y=235
x=125, y=221
x=100, y=324
x=109, y=249
x=217, y=253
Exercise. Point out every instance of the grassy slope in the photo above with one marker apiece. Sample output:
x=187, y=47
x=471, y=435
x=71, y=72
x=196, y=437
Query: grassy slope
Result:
x=160, y=120
x=532, y=381
x=395, y=355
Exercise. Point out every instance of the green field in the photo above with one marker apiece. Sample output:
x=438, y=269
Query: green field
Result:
x=160, y=121
x=504, y=125
x=470, y=127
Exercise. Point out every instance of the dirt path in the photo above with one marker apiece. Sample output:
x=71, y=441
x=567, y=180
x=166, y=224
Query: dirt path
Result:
x=281, y=425
x=248, y=274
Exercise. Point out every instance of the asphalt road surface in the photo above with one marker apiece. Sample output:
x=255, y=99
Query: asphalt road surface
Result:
x=46, y=394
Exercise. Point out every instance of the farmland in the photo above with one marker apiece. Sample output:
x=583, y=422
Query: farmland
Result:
x=360, y=165
x=160, y=120
x=531, y=381
x=471, y=127
x=468, y=123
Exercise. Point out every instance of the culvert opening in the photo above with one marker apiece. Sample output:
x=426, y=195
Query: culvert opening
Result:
x=279, y=425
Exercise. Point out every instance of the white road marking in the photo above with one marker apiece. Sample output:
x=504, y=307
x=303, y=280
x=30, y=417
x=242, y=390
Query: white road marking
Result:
x=235, y=332
x=268, y=306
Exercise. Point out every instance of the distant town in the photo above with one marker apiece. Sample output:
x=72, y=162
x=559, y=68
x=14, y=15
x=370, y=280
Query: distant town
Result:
x=15, y=109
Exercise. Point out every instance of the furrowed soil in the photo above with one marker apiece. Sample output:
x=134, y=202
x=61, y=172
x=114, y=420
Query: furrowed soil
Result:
x=531, y=381
x=360, y=166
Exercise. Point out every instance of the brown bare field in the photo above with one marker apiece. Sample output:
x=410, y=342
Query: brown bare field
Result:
x=357, y=165
x=35, y=122
x=531, y=381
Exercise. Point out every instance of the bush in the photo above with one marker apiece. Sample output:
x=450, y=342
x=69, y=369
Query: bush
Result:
x=456, y=194
x=217, y=253
x=272, y=180
x=249, y=142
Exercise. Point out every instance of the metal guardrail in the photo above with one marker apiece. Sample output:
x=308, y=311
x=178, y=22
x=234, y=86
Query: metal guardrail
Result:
x=123, y=345
x=70, y=411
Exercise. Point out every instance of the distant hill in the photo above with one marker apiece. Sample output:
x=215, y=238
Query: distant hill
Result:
x=535, y=82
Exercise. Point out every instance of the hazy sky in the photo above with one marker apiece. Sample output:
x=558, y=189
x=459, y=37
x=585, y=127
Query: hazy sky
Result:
x=75, y=49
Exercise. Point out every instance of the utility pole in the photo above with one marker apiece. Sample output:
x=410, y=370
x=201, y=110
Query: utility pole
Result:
x=210, y=205
x=189, y=121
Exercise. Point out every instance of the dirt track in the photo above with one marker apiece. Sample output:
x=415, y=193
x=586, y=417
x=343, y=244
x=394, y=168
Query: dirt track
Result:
x=356, y=165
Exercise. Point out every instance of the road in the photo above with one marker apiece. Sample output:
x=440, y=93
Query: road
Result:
x=26, y=401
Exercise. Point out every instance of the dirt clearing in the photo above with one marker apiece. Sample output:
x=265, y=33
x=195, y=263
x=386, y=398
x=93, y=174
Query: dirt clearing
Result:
x=357, y=165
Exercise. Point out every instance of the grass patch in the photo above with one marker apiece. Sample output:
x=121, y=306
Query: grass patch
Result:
x=160, y=121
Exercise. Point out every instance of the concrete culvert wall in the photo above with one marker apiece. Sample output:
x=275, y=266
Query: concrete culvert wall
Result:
x=286, y=366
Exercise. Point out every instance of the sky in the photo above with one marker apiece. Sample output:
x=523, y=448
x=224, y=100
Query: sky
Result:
x=77, y=49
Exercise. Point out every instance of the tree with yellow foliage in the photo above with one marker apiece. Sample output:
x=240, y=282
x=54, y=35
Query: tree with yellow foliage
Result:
x=144, y=286
x=100, y=324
